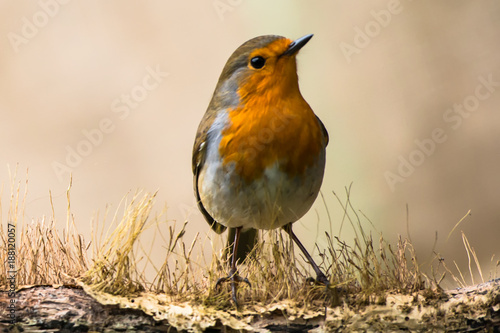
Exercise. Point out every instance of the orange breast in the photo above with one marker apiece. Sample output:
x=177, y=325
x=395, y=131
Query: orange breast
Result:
x=270, y=129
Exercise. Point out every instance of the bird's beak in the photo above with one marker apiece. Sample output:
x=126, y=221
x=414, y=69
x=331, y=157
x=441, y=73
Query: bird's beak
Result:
x=297, y=44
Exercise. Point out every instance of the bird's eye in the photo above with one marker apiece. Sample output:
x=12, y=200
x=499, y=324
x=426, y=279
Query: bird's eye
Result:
x=257, y=62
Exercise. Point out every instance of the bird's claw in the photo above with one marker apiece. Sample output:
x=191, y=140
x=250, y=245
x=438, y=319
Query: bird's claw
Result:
x=234, y=278
x=320, y=279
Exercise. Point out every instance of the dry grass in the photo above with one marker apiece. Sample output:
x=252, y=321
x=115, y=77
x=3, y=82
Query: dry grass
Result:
x=362, y=271
x=114, y=269
x=43, y=254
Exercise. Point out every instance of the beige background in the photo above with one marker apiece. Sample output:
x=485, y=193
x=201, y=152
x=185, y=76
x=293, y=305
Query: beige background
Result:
x=63, y=65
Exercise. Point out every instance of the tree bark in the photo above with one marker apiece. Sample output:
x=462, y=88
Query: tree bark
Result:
x=71, y=309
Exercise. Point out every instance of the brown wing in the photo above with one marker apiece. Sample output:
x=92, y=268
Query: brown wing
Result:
x=199, y=152
x=325, y=132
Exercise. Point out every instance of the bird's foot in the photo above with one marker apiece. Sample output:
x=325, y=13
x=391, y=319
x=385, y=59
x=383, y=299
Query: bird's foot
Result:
x=320, y=279
x=331, y=293
x=234, y=279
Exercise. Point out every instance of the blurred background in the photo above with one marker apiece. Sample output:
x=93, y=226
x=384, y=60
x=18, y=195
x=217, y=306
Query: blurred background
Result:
x=112, y=93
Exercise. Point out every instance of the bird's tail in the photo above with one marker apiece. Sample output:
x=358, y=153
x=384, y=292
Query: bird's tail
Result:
x=248, y=240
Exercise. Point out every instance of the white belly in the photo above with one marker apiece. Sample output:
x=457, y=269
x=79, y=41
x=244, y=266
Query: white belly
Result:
x=269, y=202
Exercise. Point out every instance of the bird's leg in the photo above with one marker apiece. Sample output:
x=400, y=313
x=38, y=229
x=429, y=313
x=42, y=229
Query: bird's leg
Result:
x=233, y=272
x=320, y=276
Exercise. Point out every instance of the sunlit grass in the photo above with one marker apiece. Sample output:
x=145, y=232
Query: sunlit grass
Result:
x=362, y=270
x=43, y=254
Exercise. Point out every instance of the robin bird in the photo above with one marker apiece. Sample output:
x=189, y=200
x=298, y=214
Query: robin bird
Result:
x=259, y=153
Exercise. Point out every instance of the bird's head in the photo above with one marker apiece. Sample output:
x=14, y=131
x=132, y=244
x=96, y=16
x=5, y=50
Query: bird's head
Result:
x=264, y=66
